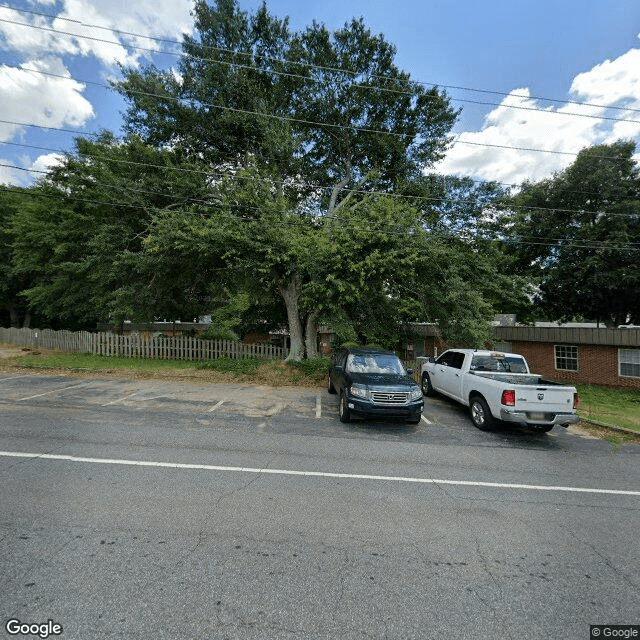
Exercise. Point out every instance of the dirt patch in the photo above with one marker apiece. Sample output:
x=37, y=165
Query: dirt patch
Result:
x=12, y=351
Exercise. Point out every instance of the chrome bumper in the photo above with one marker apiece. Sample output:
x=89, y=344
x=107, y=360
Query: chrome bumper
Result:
x=555, y=419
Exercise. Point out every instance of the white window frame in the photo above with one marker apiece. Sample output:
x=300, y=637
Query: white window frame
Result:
x=633, y=360
x=565, y=356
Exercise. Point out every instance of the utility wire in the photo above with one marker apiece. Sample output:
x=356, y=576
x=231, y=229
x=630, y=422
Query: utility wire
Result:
x=306, y=65
x=345, y=223
x=284, y=118
x=308, y=78
x=312, y=187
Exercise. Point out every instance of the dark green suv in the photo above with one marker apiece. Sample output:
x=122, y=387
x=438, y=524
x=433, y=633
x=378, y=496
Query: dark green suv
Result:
x=373, y=383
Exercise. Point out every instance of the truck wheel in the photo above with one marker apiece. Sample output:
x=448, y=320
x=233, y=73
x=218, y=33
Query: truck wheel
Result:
x=427, y=389
x=481, y=414
x=345, y=415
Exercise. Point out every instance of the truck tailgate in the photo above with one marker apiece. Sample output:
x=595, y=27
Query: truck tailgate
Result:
x=543, y=400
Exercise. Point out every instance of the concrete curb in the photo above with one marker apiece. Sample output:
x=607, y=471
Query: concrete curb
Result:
x=610, y=426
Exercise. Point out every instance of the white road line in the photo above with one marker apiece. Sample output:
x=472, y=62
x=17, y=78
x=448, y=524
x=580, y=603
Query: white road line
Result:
x=315, y=474
x=120, y=399
x=427, y=421
x=13, y=378
x=318, y=406
x=37, y=395
x=215, y=406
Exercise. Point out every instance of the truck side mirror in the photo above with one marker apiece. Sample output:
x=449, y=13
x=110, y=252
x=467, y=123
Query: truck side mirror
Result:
x=432, y=359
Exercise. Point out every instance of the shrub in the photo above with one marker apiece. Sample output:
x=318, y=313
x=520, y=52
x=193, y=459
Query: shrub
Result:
x=312, y=367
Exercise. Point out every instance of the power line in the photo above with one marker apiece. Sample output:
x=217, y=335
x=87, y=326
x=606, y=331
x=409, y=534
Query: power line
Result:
x=308, y=186
x=320, y=67
x=551, y=242
x=282, y=118
x=233, y=109
x=279, y=60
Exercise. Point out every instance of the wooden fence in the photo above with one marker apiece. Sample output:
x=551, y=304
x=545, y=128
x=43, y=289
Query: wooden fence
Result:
x=134, y=345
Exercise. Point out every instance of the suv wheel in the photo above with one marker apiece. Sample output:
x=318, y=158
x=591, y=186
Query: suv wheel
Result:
x=345, y=415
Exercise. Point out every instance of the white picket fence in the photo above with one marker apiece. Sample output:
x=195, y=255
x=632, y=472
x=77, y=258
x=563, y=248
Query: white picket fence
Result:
x=135, y=345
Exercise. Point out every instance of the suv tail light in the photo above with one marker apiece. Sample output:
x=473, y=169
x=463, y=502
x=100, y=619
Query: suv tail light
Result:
x=508, y=397
x=576, y=400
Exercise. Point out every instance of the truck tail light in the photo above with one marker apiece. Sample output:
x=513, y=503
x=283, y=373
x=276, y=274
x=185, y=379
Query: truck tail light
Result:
x=508, y=397
x=576, y=400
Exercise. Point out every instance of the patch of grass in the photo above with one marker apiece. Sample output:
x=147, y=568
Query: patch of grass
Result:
x=91, y=362
x=244, y=366
x=276, y=373
x=616, y=407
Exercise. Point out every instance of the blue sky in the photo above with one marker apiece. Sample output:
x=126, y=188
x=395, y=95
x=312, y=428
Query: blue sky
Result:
x=586, y=51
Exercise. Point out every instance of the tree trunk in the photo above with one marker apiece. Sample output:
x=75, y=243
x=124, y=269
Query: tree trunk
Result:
x=14, y=316
x=311, y=334
x=338, y=187
x=291, y=295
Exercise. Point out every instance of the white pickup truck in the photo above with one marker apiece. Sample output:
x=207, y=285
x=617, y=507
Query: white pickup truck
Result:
x=499, y=386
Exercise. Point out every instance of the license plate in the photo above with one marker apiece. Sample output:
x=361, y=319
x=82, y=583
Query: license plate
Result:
x=536, y=416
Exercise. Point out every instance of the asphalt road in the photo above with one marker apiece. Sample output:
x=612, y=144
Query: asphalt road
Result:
x=143, y=510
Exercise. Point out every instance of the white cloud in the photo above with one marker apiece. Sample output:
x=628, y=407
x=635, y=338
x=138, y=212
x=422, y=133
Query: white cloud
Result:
x=23, y=171
x=115, y=32
x=44, y=163
x=562, y=131
x=10, y=175
x=34, y=98
x=101, y=28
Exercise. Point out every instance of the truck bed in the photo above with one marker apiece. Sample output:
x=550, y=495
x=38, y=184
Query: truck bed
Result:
x=517, y=378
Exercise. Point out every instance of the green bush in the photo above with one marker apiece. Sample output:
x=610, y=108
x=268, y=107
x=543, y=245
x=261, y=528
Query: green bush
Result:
x=219, y=333
x=312, y=367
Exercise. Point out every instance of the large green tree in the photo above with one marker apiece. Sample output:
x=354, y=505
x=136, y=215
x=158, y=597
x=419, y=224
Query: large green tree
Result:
x=78, y=238
x=13, y=307
x=578, y=235
x=320, y=118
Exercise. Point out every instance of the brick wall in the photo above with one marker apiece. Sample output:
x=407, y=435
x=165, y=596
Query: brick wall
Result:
x=597, y=364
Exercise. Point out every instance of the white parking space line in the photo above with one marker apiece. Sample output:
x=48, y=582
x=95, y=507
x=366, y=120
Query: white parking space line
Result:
x=215, y=406
x=13, y=378
x=427, y=421
x=318, y=406
x=120, y=399
x=37, y=395
x=315, y=474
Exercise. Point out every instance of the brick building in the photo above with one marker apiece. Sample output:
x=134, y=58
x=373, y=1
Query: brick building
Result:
x=591, y=355
x=606, y=357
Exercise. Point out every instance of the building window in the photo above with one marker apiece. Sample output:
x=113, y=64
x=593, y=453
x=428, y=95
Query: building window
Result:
x=629, y=363
x=566, y=358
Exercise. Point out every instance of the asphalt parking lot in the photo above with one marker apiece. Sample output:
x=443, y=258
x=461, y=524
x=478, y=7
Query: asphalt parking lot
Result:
x=285, y=409
x=146, y=508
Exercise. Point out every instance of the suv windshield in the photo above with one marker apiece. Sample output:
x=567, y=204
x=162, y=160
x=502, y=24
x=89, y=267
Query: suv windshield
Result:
x=375, y=363
x=498, y=363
